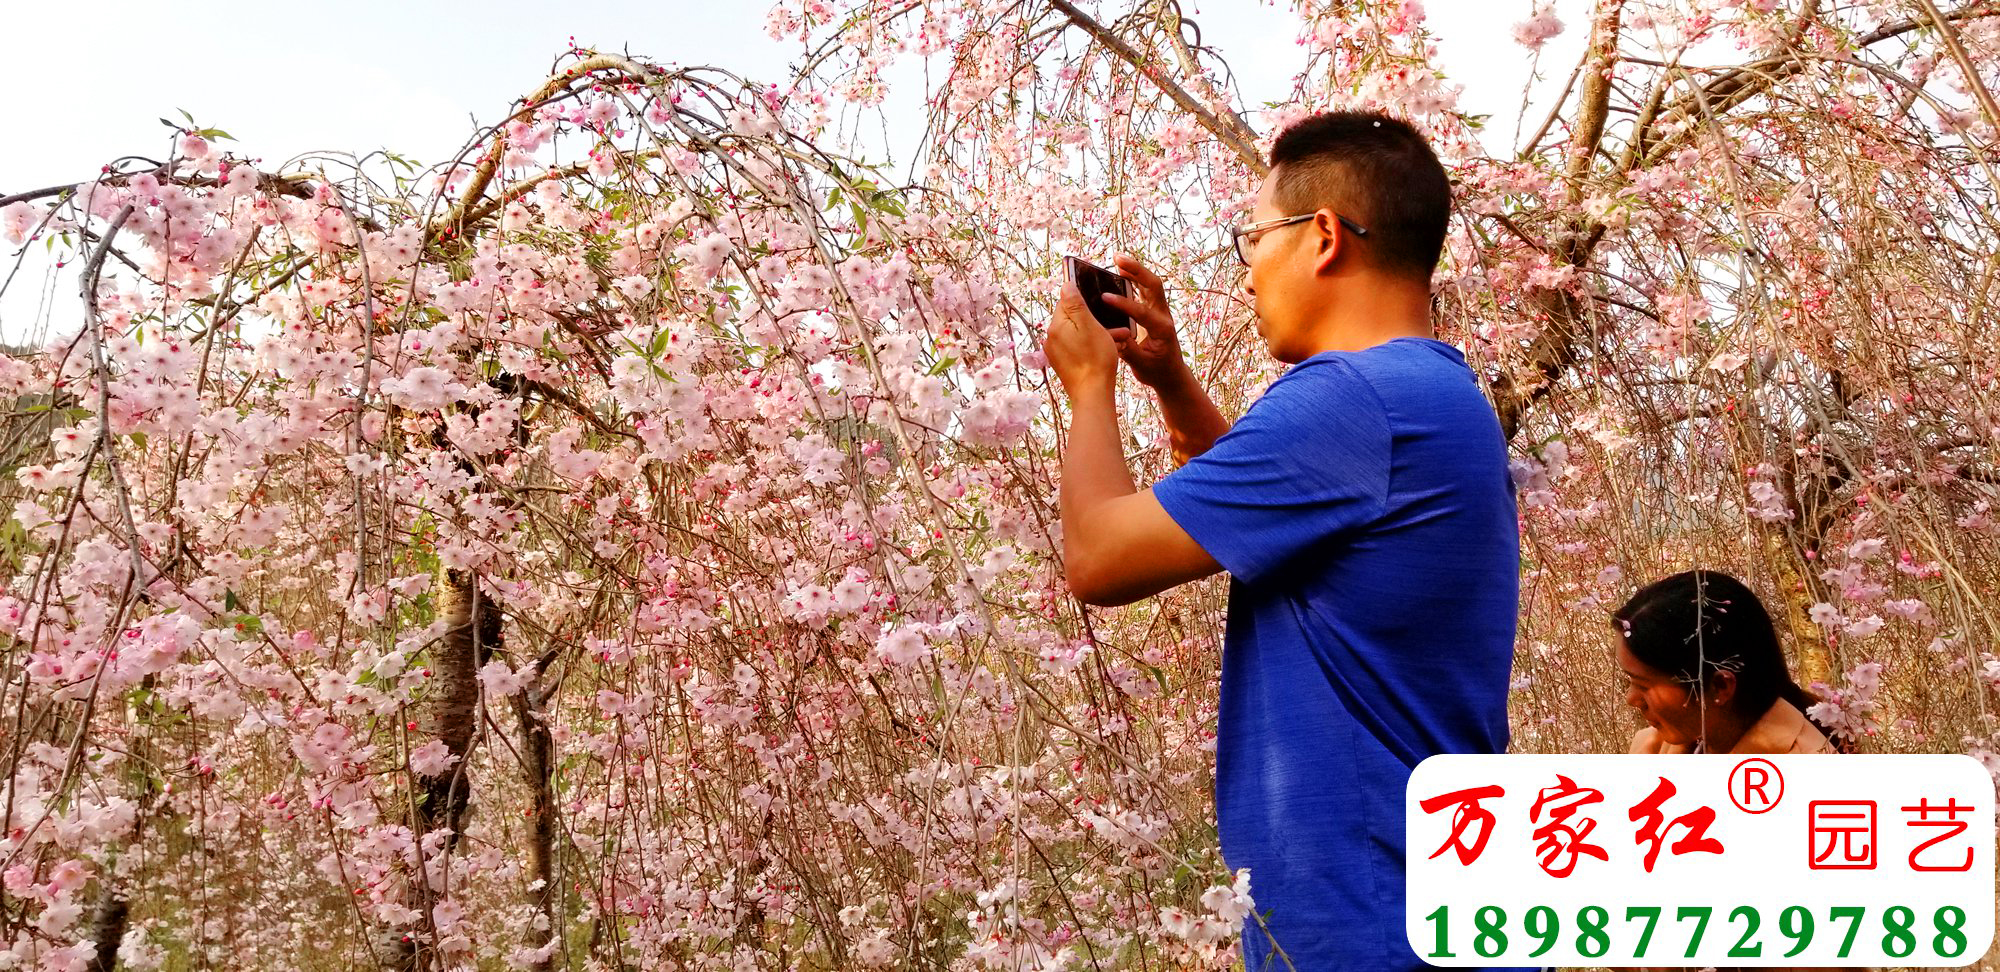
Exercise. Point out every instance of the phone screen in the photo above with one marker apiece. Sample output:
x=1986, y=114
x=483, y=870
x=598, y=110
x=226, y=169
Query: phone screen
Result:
x=1093, y=281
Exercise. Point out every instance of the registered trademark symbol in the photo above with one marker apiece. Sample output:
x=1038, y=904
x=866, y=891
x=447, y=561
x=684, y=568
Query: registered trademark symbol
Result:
x=1756, y=786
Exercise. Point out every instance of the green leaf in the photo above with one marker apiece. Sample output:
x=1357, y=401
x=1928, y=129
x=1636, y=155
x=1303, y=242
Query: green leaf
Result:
x=886, y=202
x=216, y=133
x=942, y=365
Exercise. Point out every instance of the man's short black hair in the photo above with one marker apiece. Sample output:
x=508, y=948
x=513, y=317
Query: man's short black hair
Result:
x=1376, y=170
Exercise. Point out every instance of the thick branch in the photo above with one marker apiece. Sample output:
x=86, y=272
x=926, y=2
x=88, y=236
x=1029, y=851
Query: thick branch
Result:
x=482, y=176
x=1594, y=104
x=1232, y=131
x=1171, y=22
x=1554, y=350
x=1965, y=65
x=1744, y=83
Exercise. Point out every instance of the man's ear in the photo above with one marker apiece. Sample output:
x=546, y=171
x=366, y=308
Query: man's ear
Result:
x=1330, y=240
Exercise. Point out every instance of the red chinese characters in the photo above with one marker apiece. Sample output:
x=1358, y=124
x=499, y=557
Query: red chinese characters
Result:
x=1469, y=812
x=1942, y=859
x=1562, y=829
x=1558, y=843
x=1652, y=833
x=1846, y=826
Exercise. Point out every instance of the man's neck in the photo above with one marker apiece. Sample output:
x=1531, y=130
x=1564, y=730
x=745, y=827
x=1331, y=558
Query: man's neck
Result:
x=1364, y=316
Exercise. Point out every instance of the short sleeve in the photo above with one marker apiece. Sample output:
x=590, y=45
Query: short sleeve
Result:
x=1308, y=464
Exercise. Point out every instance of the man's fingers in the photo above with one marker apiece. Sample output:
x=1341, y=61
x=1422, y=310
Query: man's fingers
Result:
x=1134, y=306
x=1153, y=318
x=1139, y=274
x=1069, y=307
x=1134, y=270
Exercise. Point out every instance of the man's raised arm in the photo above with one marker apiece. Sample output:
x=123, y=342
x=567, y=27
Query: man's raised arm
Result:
x=1193, y=422
x=1119, y=544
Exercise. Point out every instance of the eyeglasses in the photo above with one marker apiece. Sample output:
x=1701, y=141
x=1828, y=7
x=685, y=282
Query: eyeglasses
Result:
x=1244, y=242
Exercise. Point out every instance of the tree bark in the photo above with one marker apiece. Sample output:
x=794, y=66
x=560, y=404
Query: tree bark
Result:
x=1565, y=319
x=450, y=715
x=107, y=928
x=473, y=633
x=537, y=766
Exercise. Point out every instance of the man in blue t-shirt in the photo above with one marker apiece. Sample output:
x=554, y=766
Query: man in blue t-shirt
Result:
x=1363, y=510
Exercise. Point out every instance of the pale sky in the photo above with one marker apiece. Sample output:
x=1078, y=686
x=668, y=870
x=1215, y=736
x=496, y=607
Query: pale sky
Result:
x=91, y=81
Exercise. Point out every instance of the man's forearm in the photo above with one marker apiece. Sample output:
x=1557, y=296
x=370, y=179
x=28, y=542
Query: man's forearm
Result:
x=1093, y=463
x=1093, y=474
x=1193, y=421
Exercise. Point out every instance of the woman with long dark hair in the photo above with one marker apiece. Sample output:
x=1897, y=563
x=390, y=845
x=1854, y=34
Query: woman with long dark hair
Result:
x=1704, y=668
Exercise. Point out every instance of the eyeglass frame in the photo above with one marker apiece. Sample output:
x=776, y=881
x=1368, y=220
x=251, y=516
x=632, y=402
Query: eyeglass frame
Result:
x=1237, y=234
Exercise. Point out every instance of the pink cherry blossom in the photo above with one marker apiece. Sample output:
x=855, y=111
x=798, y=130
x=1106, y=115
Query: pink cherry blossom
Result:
x=1540, y=26
x=432, y=758
x=902, y=647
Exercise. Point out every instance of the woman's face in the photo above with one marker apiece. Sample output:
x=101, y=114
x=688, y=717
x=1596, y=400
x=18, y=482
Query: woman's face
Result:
x=1666, y=703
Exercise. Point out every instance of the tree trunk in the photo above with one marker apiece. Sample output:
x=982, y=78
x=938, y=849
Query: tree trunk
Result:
x=451, y=711
x=537, y=766
x=107, y=927
x=450, y=715
x=1786, y=560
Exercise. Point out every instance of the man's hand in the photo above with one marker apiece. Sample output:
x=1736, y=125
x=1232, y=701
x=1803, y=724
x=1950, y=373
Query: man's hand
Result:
x=1193, y=424
x=1154, y=352
x=1083, y=353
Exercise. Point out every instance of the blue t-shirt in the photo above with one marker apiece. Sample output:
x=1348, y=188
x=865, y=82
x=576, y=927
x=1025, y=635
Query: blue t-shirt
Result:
x=1364, y=512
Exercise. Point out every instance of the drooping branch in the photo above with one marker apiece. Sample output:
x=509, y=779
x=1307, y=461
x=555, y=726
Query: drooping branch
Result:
x=525, y=186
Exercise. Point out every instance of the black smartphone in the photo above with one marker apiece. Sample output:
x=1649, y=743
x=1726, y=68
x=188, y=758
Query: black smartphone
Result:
x=1093, y=281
